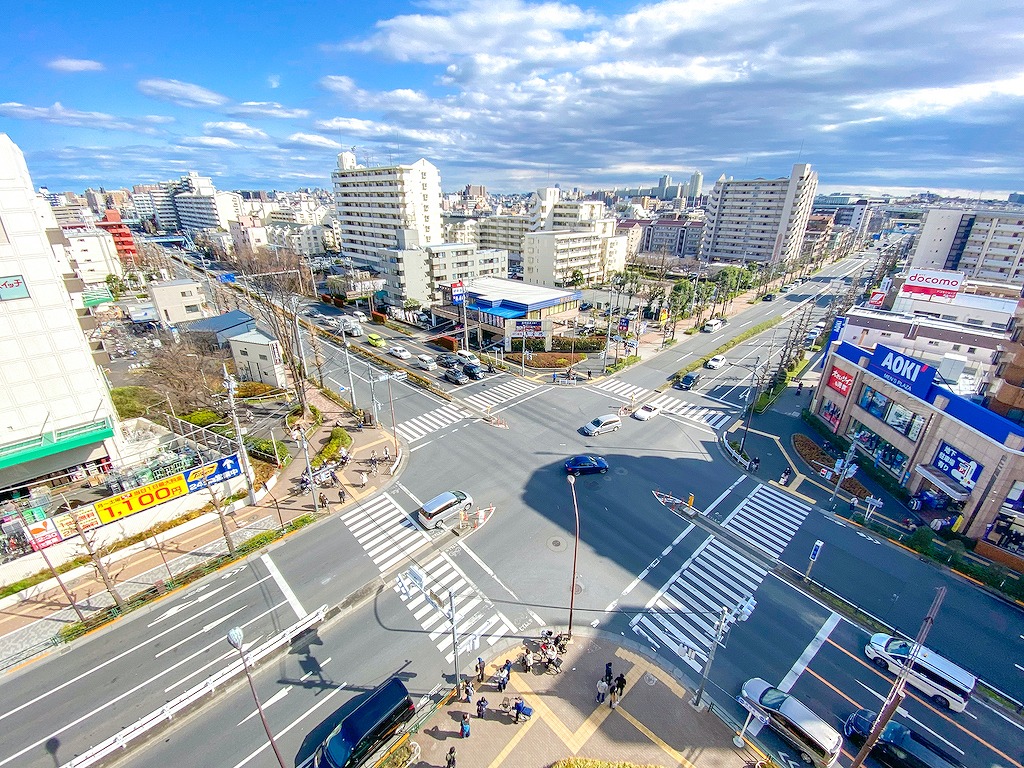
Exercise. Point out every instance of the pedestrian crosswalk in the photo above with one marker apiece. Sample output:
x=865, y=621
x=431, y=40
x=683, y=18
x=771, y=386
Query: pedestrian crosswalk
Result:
x=477, y=620
x=494, y=395
x=431, y=421
x=715, y=418
x=767, y=518
x=386, y=533
x=683, y=614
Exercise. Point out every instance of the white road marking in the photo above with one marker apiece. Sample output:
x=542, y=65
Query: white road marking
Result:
x=267, y=704
x=725, y=493
x=809, y=652
x=486, y=569
x=290, y=596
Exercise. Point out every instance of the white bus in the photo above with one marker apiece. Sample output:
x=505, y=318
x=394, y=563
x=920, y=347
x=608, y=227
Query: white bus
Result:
x=941, y=680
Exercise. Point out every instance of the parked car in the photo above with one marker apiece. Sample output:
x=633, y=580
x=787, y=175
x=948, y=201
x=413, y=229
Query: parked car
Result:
x=400, y=352
x=473, y=370
x=646, y=412
x=897, y=746
x=689, y=381
x=586, y=465
x=447, y=360
x=455, y=376
x=816, y=741
x=586, y=305
x=376, y=340
x=716, y=362
x=426, y=362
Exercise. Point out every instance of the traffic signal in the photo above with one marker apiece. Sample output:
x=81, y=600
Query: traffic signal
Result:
x=742, y=611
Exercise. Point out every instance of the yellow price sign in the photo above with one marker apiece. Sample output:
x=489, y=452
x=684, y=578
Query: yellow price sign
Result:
x=138, y=499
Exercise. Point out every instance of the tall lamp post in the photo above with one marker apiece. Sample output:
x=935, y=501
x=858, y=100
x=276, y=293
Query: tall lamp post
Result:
x=235, y=639
x=575, y=551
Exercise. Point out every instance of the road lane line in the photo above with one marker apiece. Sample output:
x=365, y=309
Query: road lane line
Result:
x=486, y=569
x=282, y=583
x=809, y=652
x=725, y=493
x=266, y=704
x=739, y=506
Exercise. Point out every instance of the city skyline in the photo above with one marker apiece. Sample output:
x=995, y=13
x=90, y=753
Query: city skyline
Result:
x=518, y=95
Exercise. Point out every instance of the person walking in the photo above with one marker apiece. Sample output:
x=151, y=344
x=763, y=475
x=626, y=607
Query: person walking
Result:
x=508, y=667
x=387, y=453
x=481, y=669
x=481, y=707
x=341, y=495
x=449, y=761
x=528, y=660
x=517, y=706
x=464, y=729
x=469, y=691
x=362, y=479
x=602, y=690
x=323, y=499
x=502, y=679
x=608, y=672
x=613, y=697
x=620, y=684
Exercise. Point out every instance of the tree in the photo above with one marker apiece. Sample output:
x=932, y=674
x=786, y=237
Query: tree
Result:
x=187, y=374
x=274, y=282
x=577, y=280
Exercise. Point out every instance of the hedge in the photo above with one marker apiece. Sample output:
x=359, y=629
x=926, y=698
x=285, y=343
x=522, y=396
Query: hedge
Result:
x=340, y=438
x=735, y=342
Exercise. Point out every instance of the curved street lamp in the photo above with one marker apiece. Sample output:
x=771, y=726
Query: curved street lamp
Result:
x=235, y=638
x=575, y=551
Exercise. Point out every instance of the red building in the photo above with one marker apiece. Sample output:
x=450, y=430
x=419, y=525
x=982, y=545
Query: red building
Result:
x=123, y=240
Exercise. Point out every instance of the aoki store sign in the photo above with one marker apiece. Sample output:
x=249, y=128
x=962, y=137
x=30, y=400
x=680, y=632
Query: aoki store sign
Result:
x=902, y=370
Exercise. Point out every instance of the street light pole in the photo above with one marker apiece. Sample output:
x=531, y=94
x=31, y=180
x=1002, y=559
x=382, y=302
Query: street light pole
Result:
x=841, y=475
x=235, y=639
x=750, y=406
x=719, y=633
x=575, y=552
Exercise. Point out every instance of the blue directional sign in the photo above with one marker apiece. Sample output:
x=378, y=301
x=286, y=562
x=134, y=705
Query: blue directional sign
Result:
x=224, y=468
x=816, y=549
x=226, y=277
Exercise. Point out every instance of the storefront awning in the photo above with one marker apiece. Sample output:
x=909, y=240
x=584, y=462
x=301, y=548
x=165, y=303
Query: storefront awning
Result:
x=943, y=483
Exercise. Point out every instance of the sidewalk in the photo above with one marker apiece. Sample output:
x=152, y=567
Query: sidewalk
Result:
x=28, y=620
x=653, y=724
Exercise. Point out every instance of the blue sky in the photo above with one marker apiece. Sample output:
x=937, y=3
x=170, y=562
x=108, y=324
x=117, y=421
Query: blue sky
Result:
x=876, y=94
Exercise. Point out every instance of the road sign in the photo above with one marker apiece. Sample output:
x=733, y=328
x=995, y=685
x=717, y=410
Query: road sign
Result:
x=458, y=292
x=750, y=708
x=415, y=576
x=623, y=324
x=816, y=549
x=226, y=277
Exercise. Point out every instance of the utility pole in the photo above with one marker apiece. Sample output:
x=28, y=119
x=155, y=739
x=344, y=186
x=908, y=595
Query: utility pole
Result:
x=719, y=633
x=455, y=640
x=243, y=457
x=841, y=474
x=896, y=694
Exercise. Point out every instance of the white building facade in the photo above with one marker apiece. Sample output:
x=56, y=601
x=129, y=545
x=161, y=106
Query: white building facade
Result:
x=92, y=254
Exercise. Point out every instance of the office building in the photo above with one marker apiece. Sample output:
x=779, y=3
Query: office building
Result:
x=202, y=211
x=57, y=422
x=760, y=220
x=124, y=241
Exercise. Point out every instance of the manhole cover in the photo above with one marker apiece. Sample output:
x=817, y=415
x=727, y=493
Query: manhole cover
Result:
x=556, y=544
x=577, y=588
x=650, y=679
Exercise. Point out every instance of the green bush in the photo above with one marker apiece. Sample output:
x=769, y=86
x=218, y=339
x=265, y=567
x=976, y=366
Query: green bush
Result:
x=623, y=363
x=202, y=418
x=340, y=438
x=132, y=402
x=922, y=540
x=253, y=389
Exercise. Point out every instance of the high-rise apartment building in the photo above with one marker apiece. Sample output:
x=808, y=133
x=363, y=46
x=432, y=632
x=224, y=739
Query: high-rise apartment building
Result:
x=760, y=220
x=984, y=245
x=198, y=211
x=56, y=417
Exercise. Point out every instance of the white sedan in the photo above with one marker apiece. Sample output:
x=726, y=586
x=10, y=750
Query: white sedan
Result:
x=400, y=352
x=716, y=362
x=646, y=411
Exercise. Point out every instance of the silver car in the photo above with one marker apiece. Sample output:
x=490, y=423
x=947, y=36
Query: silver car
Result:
x=817, y=742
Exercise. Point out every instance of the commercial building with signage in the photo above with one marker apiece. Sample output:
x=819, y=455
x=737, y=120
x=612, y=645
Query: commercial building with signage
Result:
x=958, y=457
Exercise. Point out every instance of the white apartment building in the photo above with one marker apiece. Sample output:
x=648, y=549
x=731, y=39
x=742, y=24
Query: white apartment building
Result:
x=419, y=274
x=257, y=357
x=384, y=207
x=759, y=220
x=550, y=259
x=984, y=245
x=56, y=418
x=303, y=239
x=92, y=254
x=161, y=201
x=201, y=211
x=177, y=300
x=941, y=241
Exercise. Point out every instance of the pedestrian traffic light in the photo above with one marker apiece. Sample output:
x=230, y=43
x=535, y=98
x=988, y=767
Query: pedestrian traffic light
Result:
x=742, y=611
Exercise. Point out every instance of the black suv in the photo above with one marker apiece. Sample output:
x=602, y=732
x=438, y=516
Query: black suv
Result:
x=473, y=370
x=689, y=381
x=898, y=746
x=446, y=360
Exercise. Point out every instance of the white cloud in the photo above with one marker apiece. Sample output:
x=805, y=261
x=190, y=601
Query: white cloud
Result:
x=925, y=102
x=274, y=81
x=182, y=94
x=370, y=129
x=312, y=140
x=265, y=109
x=61, y=115
x=235, y=129
x=217, y=142
x=64, y=64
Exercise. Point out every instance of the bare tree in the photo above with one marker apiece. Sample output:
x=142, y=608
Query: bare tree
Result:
x=274, y=282
x=96, y=555
x=188, y=374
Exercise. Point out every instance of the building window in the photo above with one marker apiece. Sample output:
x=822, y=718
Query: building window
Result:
x=263, y=357
x=243, y=352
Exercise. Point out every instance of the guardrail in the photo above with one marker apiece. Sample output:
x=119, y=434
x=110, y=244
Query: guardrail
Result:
x=143, y=725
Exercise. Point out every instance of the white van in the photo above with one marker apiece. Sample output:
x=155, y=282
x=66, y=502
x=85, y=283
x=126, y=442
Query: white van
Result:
x=440, y=508
x=713, y=325
x=426, y=362
x=467, y=358
x=607, y=423
x=938, y=678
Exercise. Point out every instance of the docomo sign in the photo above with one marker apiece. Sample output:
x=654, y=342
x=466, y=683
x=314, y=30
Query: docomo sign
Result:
x=905, y=372
x=840, y=381
x=933, y=283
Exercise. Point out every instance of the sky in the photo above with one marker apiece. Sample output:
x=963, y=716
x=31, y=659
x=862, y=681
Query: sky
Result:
x=920, y=95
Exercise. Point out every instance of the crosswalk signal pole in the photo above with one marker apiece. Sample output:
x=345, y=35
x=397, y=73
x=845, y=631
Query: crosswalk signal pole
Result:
x=455, y=642
x=841, y=474
x=719, y=633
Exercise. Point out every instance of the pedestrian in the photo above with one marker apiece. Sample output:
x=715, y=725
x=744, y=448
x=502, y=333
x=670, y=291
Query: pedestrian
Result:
x=341, y=496
x=613, y=697
x=518, y=707
x=757, y=463
x=508, y=667
x=590, y=375
x=608, y=672
x=464, y=730
x=449, y=761
x=502, y=679
x=373, y=455
x=481, y=707
x=387, y=453
x=469, y=691
x=528, y=660
x=602, y=690
x=362, y=479
x=620, y=684
x=481, y=668
x=853, y=505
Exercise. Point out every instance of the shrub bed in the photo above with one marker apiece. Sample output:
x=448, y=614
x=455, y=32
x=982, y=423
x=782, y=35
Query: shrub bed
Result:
x=816, y=457
x=203, y=418
x=340, y=438
x=546, y=360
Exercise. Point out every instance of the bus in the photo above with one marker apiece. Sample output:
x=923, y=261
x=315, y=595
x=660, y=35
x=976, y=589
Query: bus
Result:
x=946, y=684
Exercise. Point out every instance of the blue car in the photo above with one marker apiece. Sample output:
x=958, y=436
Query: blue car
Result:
x=586, y=465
